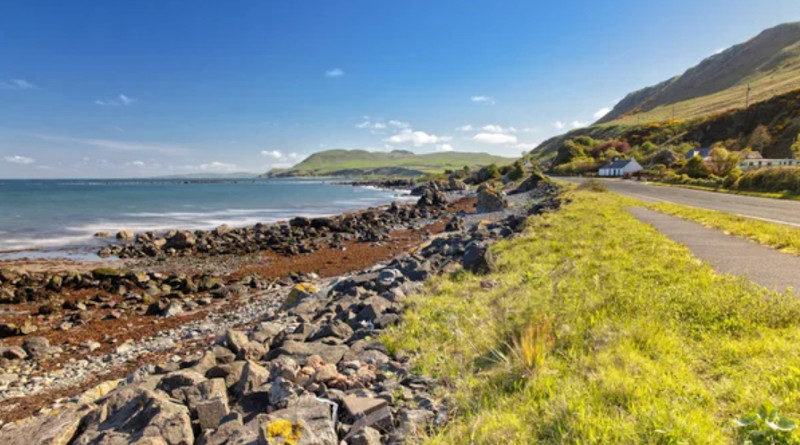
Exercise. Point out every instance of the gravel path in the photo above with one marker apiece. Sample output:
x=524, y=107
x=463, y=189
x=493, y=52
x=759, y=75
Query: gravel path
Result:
x=728, y=254
x=782, y=211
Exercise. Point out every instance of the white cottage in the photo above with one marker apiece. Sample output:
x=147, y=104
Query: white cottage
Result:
x=619, y=167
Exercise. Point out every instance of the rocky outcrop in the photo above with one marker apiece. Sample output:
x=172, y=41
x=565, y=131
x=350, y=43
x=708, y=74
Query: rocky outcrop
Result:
x=490, y=200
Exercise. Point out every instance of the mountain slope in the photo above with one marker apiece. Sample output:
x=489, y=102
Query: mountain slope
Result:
x=769, y=63
x=395, y=163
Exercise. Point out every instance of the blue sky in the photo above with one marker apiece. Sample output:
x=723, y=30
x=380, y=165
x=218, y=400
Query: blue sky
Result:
x=141, y=88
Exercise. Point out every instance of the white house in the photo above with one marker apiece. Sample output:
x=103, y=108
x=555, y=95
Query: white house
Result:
x=755, y=163
x=619, y=167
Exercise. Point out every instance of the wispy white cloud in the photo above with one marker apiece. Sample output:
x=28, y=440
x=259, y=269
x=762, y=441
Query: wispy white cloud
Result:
x=381, y=125
x=483, y=99
x=601, y=112
x=334, y=72
x=494, y=128
x=578, y=124
x=416, y=138
x=117, y=145
x=445, y=147
x=140, y=164
x=559, y=125
x=276, y=154
x=371, y=125
x=17, y=84
x=495, y=138
x=467, y=127
x=719, y=50
x=17, y=159
x=120, y=100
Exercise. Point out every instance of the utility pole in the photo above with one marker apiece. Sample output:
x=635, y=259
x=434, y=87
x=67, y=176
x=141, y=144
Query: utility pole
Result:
x=747, y=97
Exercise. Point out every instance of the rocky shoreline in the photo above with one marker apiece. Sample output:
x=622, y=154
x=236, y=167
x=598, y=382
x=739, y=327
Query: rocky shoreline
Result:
x=292, y=358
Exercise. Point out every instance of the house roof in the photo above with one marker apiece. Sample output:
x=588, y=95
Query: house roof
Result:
x=703, y=152
x=619, y=163
x=749, y=155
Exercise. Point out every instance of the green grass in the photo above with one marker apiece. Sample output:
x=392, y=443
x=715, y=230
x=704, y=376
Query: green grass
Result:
x=785, y=238
x=597, y=329
x=332, y=162
x=762, y=87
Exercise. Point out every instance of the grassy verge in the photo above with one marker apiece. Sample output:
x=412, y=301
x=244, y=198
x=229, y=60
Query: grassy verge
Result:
x=779, y=236
x=598, y=329
x=773, y=195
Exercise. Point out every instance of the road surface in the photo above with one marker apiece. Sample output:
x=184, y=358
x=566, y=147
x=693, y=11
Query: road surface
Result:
x=728, y=254
x=782, y=211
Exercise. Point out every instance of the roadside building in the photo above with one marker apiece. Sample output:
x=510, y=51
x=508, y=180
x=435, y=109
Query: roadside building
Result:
x=756, y=163
x=619, y=167
x=704, y=153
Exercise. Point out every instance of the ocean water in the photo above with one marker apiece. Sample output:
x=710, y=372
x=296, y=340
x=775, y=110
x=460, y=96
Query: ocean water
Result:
x=62, y=215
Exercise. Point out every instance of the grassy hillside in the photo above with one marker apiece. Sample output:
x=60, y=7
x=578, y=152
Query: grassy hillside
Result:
x=394, y=163
x=598, y=329
x=780, y=115
x=768, y=63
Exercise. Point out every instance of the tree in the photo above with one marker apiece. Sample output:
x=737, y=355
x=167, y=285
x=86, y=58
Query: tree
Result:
x=760, y=138
x=721, y=162
x=696, y=168
x=796, y=147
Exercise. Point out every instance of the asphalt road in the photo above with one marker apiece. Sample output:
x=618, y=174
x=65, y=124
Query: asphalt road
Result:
x=782, y=211
x=728, y=254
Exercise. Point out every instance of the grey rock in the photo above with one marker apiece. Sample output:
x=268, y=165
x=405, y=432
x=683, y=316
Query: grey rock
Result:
x=210, y=412
x=36, y=347
x=13, y=353
x=315, y=416
x=365, y=436
x=131, y=414
x=179, y=379
x=299, y=351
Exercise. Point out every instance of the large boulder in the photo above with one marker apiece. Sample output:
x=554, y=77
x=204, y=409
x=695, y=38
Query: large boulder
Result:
x=431, y=196
x=478, y=258
x=490, y=200
x=456, y=184
x=53, y=428
x=135, y=415
x=184, y=239
x=531, y=182
x=125, y=235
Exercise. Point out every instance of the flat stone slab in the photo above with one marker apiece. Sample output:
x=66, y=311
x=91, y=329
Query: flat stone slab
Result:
x=728, y=254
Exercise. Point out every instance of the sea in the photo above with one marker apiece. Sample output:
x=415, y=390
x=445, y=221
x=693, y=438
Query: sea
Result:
x=58, y=218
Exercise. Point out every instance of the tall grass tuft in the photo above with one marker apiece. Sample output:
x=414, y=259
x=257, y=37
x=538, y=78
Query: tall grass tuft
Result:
x=532, y=345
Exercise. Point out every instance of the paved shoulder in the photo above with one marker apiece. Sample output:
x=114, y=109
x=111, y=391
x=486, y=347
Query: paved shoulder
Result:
x=728, y=254
x=782, y=211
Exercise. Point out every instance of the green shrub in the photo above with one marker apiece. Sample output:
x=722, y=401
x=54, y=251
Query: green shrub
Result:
x=593, y=185
x=696, y=168
x=765, y=426
x=771, y=179
x=516, y=171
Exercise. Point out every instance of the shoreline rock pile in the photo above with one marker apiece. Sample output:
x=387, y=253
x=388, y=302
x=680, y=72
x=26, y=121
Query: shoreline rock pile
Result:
x=311, y=373
x=298, y=235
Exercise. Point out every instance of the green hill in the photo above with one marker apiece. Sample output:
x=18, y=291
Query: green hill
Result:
x=768, y=64
x=393, y=163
